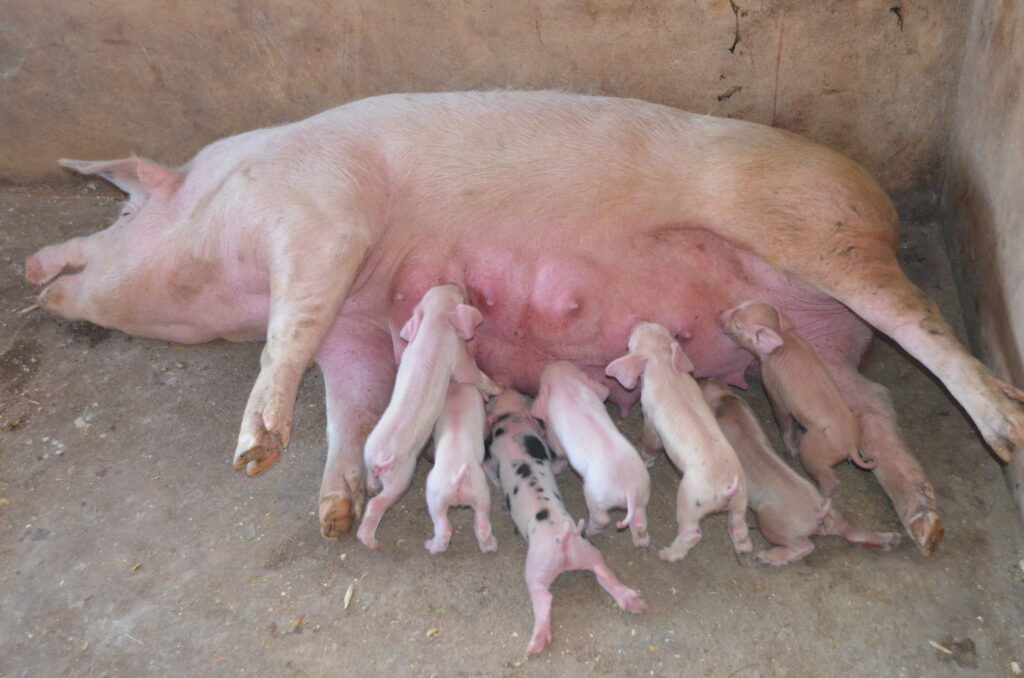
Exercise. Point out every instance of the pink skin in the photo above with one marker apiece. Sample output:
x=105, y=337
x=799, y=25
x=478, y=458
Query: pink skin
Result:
x=531, y=202
x=614, y=476
x=437, y=331
x=457, y=478
x=555, y=541
x=677, y=419
x=789, y=509
x=801, y=391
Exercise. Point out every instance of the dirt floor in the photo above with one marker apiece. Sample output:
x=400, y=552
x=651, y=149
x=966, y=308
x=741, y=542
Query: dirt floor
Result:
x=129, y=546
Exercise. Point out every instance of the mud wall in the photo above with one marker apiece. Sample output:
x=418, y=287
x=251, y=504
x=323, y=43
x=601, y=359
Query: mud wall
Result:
x=983, y=197
x=106, y=78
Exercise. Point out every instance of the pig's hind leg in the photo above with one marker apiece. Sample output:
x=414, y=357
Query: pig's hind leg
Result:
x=688, y=515
x=781, y=555
x=898, y=472
x=359, y=373
x=312, y=263
x=874, y=287
x=881, y=541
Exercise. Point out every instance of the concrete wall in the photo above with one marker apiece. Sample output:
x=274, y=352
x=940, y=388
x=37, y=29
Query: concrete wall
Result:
x=984, y=196
x=105, y=78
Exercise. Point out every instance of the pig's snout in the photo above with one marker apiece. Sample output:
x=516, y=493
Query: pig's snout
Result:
x=50, y=263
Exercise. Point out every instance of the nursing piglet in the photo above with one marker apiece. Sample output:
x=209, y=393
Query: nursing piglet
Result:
x=677, y=418
x=800, y=389
x=613, y=474
x=519, y=462
x=457, y=478
x=789, y=509
x=437, y=331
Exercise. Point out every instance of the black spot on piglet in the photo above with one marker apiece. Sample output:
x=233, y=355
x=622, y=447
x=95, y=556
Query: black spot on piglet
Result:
x=523, y=470
x=542, y=514
x=508, y=503
x=487, y=447
x=535, y=448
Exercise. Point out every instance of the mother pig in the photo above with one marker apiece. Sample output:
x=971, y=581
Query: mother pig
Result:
x=566, y=218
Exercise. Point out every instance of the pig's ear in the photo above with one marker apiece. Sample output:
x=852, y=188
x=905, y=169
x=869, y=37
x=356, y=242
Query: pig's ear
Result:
x=680, y=361
x=137, y=177
x=597, y=387
x=766, y=340
x=627, y=369
x=784, y=322
x=412, y=326
x=539, y=409
x=464, y=319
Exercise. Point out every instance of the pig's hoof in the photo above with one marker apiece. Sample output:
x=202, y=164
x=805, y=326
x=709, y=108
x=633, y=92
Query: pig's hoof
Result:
x=539, y=641
x=368, y=539
x=631, y=602
x=258, y=453
x=335, y=515
x=489, y=545
x=927, y=531
x=671, y=554
x=437, y=545
x=765, y=558
x=744, y=545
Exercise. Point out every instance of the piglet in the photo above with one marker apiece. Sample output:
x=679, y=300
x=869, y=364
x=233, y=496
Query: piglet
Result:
x=457, y=478
x=613, y=474
x=789, y=509
x=677, y=418
x=519, y=462
x=437, y=333
x=800, y=389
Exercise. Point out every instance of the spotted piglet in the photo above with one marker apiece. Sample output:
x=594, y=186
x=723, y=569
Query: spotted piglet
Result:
x=437, y=333
x=519, y=462
x=677, y=418
x=800, y=389
x=789, y=509
x=613, y=474
x=457, y=478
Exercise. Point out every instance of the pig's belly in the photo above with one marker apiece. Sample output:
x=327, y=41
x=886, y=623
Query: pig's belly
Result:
x=578, y=301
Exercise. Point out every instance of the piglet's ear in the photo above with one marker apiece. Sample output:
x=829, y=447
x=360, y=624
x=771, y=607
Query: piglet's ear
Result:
x=627, y=369
x=597, y=387
x=464, y=319
x=680, y=361
x=412, y=326
x=137, y=177
x=540, y=404
x=766, y=340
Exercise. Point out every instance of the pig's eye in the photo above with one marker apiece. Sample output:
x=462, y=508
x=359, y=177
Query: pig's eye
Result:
x=127, y=211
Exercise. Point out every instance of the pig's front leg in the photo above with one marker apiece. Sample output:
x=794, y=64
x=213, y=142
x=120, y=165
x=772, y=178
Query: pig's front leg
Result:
x=311, y=271
x=789, y=429
x=359, y=373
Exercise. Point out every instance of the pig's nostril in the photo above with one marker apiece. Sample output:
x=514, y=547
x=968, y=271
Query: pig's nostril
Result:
x=68, y=269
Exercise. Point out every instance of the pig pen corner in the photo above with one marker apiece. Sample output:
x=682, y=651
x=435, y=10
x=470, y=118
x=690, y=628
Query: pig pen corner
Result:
x=129, y=546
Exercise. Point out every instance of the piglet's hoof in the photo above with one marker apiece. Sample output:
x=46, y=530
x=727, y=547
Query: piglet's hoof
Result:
x=258, y=452
x=927, y=531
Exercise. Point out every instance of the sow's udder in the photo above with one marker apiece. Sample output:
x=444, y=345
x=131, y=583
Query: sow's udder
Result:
x=580, y=304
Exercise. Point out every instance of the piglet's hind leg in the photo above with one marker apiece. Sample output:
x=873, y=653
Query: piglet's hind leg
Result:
x=780, y=555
